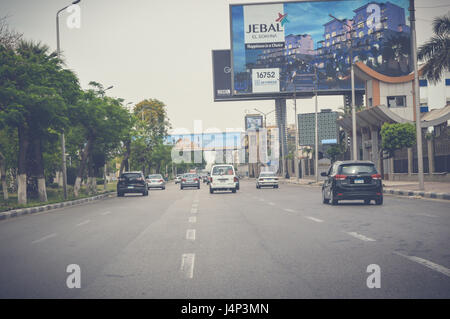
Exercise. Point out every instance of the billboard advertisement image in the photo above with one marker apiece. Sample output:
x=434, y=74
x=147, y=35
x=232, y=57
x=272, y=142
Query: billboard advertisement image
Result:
x=253, y=122
x=301, y=46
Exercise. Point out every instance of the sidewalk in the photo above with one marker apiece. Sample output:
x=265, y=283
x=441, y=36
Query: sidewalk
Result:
x=432, y=189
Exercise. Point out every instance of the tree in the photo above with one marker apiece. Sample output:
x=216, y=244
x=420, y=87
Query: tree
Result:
x=8, y=38
x=436, y=52
x=34, y=93
x=396, y=136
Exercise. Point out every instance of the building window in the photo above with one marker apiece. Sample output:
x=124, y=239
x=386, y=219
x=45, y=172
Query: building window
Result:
x=396, y=101
x=370, y=101
x=361, y=25
x=423, y=83
x=447, y=82
x=361, y=34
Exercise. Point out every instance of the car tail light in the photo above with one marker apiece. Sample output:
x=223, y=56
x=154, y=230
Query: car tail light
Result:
x=235, y=180
x=339, y=194
x=376, y=176
x=121, y=179
x=340, y=177
x=210, y=179
x=195, y=179
x=183, y=180
x=161, y=181
x=261, y=179
x=378, y=194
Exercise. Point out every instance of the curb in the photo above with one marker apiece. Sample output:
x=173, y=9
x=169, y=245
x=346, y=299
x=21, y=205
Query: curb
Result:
x=38, y=209
x=423, y=194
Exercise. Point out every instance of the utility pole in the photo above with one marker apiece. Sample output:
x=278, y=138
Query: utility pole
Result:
x=412, y=18
x=297, y=172
x=352, y=75
x=316, y=133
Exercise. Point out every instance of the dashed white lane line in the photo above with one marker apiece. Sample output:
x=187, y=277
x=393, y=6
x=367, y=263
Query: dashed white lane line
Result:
x=190, y=234
x=317, y=220
x=427, y=263
x=359, y=236
x=194, y=210
x=261, y=200
x=187, y=265
x=83, y=223
x=271, y=203
x=289, y=210
x=105, y=213
x=43, y=238
x=195, y=201
x=193, y=219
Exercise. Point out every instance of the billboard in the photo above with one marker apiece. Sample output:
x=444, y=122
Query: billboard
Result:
x=253, y=122
x=206, y=141
x=221, y=63
x=328, y=131
x=281, y=48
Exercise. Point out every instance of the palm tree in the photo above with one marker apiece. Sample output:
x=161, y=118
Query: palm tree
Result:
x=436, y=52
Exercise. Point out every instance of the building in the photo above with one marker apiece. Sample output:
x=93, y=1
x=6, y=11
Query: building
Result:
x=391, y=100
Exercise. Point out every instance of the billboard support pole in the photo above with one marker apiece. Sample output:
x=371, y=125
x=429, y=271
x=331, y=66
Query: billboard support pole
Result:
x=416, y=95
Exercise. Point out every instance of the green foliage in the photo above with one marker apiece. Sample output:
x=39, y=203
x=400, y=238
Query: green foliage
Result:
x=397, y=136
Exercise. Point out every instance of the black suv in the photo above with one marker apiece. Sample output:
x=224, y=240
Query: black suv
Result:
x=132, y=182
x=352, y=180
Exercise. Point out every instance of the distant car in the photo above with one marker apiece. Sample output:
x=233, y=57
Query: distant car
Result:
x=223, y=177
x=178, y=178
x=132, y=182
x=156, y=181
x=190, y=180
x=352, y=180
x=267, y=179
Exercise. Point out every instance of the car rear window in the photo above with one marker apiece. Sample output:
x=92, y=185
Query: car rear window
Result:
x=267, y=175
x=131, y=176
x=155, y=176
x=190, y=175
x=223, y=170
x=352, y=169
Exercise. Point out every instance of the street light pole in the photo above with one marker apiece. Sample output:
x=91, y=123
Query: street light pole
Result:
x=316, y=132
x=63, y=140
x=352, y=75
x=412, y=18
x=297, y=172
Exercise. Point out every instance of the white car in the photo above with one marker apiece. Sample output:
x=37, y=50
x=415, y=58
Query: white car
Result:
x=223, y=177
x=267, y=179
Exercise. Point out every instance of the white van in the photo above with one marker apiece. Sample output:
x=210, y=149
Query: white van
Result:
x=223, y=177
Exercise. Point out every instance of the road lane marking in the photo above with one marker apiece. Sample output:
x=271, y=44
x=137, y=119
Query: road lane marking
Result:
x=194, y=205
x=105, y=213
x=314, y=219
x=261, y=199
x=195, y=201
x=83, y=223
x=187, y=265
x=190, y=234
x=289, y=210
x=43, y=238
x=193, y=219
x=194, y=210
x=427, y=263
x=271, y=203
x=359, y=236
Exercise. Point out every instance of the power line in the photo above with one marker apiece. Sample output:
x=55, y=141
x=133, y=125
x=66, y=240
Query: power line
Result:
x=433, y=7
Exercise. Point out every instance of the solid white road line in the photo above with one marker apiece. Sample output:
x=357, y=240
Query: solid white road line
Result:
x=43, y=238
x=427, y=263
x=193, y=219
x=83, y=223
x=194, y=210
x=195, y=201
x=194, y=205
x=315, y=219
x=187, y=265
x=190, y=234
x=289, y=210
x=359, y=236
x=105, y=213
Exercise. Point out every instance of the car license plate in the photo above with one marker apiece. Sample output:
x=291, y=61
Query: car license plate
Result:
x=359, y=181
x=130, y=186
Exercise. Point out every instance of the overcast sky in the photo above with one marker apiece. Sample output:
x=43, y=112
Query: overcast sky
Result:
x=161, y=49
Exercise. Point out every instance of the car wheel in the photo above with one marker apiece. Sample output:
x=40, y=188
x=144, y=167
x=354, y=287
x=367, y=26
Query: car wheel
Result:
x=233, y=190
x=198, y=187
x=367, y=201
x=333, y=200
x=119, y=194
x=211, y=191
x=324, y=200
x=181, y=187
x=163, y=188
x=379, y=201
x=145, y=193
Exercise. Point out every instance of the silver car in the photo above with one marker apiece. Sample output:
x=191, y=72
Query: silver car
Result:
x=155, y=181
x=267, y=179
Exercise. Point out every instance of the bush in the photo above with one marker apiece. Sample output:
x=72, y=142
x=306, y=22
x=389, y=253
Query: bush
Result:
x=71, y=175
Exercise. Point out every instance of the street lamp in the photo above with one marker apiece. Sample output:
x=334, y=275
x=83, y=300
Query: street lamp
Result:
x=297, y=172
x=63, y=140
x=352, y=75
x=264, y=115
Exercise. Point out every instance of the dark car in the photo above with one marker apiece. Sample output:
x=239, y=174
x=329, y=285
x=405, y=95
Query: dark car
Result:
x=352, y=180
x=190, y=180
x=132, y=182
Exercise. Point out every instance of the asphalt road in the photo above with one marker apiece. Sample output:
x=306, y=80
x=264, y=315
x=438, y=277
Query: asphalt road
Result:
x=267, y=243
